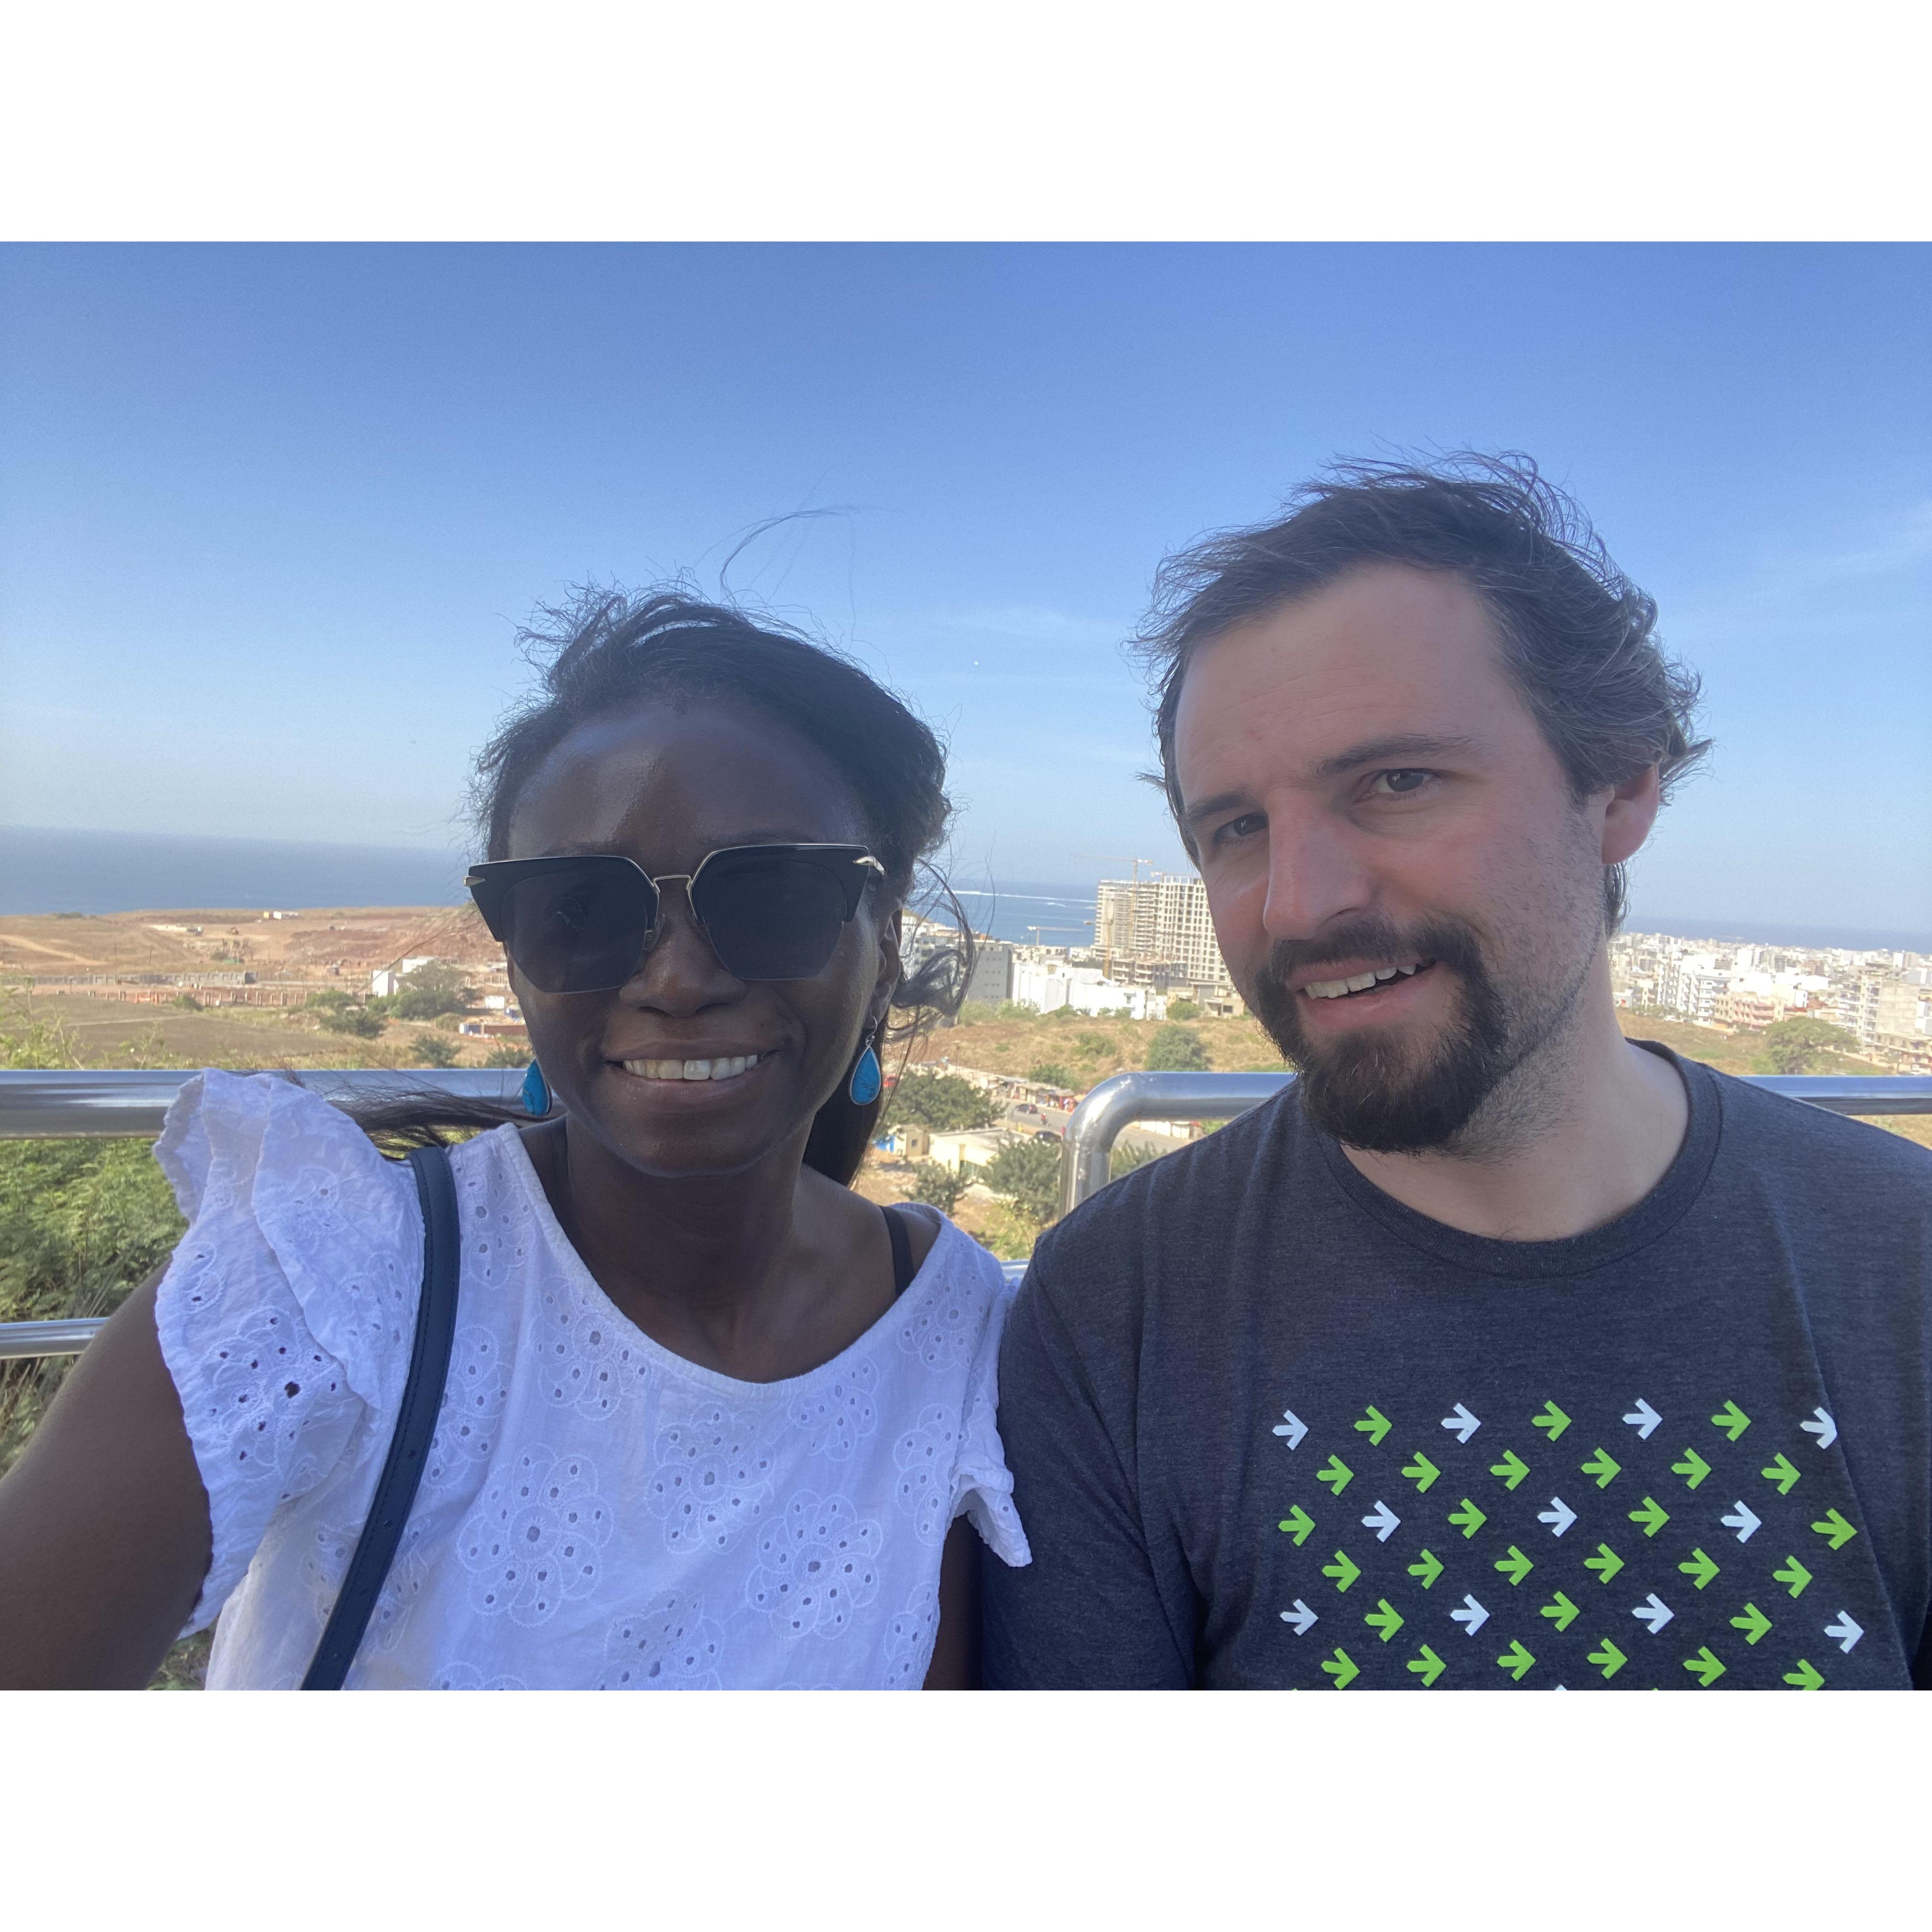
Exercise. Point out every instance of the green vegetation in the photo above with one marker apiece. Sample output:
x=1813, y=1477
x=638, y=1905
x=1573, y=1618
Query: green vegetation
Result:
x=507, y=1053
x=435, y=1049
x=431, y=992
x=1177, y=1049
x=942, y=1102
x=1125, y=1159
x=1804, y=1045
x=1028, y=1173
x=934, y=1182
x=1051, y=1073
x=1182, y=1009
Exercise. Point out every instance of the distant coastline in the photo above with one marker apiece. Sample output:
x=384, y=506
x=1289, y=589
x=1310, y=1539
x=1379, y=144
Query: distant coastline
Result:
x=48, y=869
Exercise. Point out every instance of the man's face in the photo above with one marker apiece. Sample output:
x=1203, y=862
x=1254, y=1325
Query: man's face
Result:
x=1405, y=890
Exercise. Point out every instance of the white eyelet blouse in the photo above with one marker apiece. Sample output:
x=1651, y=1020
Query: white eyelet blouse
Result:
x=596, y=1512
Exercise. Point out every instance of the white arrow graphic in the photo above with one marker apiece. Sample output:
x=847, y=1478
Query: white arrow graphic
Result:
x=1292, y=1428
x=1304, y=1619
x=1845, y=1628
x=1656, y=1613
x=1643, y=1419
x=1559, y=1515
x=1473, y=1614
x=1464, y=1424
x=1384, y=1521
x=1825, y=1429
x=1745, y=1522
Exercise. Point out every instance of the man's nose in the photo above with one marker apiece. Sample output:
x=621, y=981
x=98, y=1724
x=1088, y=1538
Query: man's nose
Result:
x=1315, y=877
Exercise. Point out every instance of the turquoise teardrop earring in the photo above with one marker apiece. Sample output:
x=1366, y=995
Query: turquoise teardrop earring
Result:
x=862, y=1089
x=536, y=1093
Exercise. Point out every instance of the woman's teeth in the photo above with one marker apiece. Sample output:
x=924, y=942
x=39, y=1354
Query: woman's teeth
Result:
x=1360, y=982
x=727, y=1069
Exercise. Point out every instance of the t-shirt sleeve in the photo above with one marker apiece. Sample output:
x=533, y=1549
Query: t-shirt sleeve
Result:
x=1086, y=1613
x=983, y=1484
x=285, y=1313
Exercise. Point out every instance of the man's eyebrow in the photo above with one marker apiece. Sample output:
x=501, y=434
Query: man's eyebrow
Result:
x=1388, y=751
x=1206, y=808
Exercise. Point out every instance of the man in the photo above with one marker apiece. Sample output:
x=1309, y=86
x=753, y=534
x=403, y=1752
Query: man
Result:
x=1500, y=1350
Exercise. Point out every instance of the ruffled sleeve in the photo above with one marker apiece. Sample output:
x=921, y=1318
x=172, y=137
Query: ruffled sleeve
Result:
x=286, y=1314
x=982, y=1485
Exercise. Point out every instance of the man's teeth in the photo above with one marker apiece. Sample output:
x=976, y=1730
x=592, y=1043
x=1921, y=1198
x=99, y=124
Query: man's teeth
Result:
x=1360, y=983
x=727, y=1069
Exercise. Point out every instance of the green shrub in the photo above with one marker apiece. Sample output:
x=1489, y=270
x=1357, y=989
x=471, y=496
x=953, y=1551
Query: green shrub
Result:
x=435, y=1049
x=943, y=1102
x=1182, y=1009
x=933, y=1181
x=1051, y=1073
x=1028, y=1173
x=430, y=991
x=1177, y=1049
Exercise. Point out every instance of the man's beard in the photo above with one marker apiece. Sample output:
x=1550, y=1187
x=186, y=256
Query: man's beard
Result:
x=1373, y=1090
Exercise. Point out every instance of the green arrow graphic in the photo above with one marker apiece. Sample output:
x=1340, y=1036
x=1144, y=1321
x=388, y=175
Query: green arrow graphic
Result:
x=1705, y=1668
x=1343, y=1670
x=1552, y=1419
x=1783, y=1472
x=1606, y=1560
x=1608, y=1658
x=1337, y=1472
x=1835, y=1530
x=1344, y=1572
x=1375, y=1426
x=1604, y=1467
x=1754, y=1623
x=1700, y=1569
x=1515, y=1566
x=1793, y=1573
x=1561, y=1611
x=1651, y=1517
x=1421, y=1472
x=1693, y=1468
x=1299, y=1523
x=1732, y=1419
x=1468, y=1519
x=1427, y=1666
x=1385, y=1618
x=1515, y=1660
x=1429, y=1569
x=1804, y=1678
x=1512, y=1469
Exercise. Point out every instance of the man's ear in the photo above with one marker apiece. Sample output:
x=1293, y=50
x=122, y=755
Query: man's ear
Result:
x=1632, y=810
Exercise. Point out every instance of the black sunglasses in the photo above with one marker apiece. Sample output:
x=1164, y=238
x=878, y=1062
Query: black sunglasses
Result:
x=581, y=924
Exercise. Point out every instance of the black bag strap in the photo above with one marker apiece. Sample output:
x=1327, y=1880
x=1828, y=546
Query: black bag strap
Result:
x=415, y=1423
x=895, y=1233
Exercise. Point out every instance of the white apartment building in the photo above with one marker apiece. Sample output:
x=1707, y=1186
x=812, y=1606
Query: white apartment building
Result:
x=1047, y=985
x=1162, y=919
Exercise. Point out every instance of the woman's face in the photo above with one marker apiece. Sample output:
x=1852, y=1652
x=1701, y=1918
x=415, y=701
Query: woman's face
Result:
x=665, y=787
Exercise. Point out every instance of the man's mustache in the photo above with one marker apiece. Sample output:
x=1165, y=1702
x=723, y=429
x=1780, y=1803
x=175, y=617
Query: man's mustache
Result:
x=1447, y=943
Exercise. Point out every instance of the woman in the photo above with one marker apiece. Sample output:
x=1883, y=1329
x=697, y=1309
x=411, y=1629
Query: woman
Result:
x=698, y=1428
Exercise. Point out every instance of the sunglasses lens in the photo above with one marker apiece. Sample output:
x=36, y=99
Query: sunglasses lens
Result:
x=579, y=929
x=772, y=916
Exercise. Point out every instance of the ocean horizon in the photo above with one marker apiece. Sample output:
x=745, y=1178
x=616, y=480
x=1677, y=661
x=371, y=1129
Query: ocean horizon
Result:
x=46, y=869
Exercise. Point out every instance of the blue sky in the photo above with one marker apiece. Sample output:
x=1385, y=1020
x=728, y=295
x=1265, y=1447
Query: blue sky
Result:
x=269, y=516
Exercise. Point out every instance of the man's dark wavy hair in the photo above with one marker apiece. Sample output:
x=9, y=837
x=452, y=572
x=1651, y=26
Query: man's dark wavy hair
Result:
x=1578, y=638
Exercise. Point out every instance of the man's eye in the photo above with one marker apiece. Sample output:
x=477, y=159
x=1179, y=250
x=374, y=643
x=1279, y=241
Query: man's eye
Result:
x=1246, y=826
x=1402, y=782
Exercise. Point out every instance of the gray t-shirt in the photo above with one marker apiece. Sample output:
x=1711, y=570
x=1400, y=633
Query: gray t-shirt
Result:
x=1270, y=1428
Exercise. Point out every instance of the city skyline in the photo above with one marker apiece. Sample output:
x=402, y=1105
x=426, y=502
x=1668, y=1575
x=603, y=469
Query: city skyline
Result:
x=308, y=493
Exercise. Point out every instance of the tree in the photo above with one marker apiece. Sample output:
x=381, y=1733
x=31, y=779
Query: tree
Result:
x=933, y=1181
x=1027, y=1172
x=943, y=1102
x=507, y=1053
x=430, y=991
x=1182, y=1009
x=1177, y=1049
x=1051, y=1073
x=352, y=1017
x=436, y=1049
x=1802, y=1045
x=1125, y=1159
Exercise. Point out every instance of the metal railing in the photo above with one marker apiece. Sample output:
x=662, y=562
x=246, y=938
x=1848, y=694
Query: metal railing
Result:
x=59, y=1106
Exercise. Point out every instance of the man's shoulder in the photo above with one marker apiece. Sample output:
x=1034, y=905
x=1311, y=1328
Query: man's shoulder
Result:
x=1178, y=1209
x=1798, y=1142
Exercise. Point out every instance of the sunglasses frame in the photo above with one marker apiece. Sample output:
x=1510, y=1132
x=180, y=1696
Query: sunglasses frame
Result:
x=489, y=882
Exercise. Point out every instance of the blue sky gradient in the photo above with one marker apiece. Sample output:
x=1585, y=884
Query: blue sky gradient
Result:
x=269, y=516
